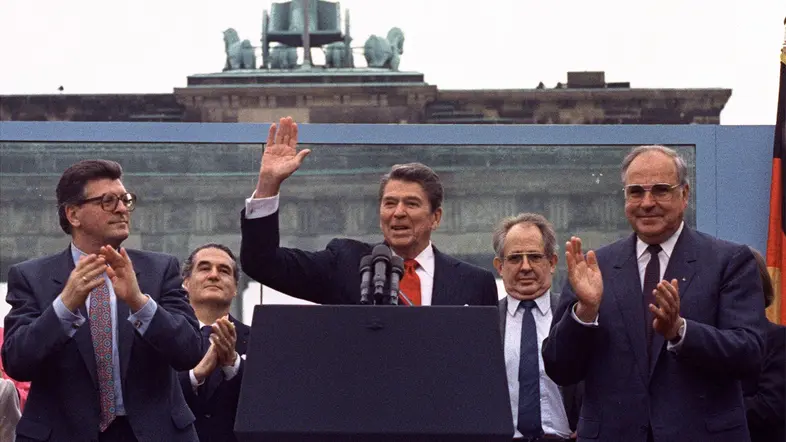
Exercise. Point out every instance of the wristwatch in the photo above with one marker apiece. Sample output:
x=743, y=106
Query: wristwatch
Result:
x=680, y=333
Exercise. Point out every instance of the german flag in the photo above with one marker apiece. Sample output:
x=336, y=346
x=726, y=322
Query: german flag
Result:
x=776, y=239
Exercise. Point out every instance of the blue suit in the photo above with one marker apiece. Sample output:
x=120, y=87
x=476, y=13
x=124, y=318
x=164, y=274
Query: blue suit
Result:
x=63, y=404
x=331, y=276
x=694, y=394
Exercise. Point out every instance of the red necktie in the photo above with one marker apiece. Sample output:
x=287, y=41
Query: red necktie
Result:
x=410, y=283
x=101, y=331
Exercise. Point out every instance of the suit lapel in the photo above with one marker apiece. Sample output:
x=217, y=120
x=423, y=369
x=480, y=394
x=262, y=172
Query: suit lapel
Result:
x=243, y=331
x=84, y=341
x=503, y=318
x=682, y=268
x=444, y=284
x=627, y=295
x=125, y=330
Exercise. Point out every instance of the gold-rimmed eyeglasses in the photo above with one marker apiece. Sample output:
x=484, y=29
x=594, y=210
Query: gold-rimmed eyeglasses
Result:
x=517, y=258
x=660, y=192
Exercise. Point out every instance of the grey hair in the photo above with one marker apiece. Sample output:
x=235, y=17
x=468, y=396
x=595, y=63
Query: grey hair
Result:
x=679, y=163
x=539, y=221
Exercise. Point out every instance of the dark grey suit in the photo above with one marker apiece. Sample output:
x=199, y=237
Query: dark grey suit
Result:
x=694, y=394
x=331, y=276
x=63, y=404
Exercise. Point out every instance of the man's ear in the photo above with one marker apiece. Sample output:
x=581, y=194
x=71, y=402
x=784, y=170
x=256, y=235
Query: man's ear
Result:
x=498, y=264
x=72, y=215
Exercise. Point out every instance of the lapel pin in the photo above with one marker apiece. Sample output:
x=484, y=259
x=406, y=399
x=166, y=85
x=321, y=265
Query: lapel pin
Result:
x=683, y=279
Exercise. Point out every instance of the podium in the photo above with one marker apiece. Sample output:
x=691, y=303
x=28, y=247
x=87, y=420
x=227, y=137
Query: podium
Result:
x=374, y=373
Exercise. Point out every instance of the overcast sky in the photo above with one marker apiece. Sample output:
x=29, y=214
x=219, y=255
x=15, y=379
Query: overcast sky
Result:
x=106, y=46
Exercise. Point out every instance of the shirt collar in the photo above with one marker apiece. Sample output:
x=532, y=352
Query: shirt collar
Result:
x=76, y=253
x=425, y=259
x=543, y=302
x=667, y=246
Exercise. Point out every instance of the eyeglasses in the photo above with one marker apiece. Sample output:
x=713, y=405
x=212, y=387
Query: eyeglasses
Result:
x=109, y=201
x=517, y=258
x=660, y=192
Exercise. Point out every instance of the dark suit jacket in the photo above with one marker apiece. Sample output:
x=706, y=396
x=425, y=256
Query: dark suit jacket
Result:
x=692, y=395
x=765, y=392
x=63, y=403
x=331, y=276
x=215, y=404
x=571, y=394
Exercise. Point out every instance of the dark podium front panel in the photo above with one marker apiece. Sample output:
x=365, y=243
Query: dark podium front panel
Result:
x=374, y=373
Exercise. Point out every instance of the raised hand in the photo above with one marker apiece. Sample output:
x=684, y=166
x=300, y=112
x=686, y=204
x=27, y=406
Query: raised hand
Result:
x=83, y=279
x=585, y=279
x=280, y=159
x=666, y=311
x=121, y=273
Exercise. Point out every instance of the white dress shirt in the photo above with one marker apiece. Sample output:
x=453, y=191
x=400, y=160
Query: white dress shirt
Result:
x=262, y=207
x=552, y=410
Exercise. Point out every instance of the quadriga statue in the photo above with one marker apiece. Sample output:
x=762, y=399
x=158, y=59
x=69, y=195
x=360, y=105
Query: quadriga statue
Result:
x=338, y=55
x=240, y=54
x=283, y=57
x=384, y=52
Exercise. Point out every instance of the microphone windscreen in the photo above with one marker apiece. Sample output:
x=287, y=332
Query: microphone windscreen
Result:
x=365, y=263
x=397, y=263
x=380, y=251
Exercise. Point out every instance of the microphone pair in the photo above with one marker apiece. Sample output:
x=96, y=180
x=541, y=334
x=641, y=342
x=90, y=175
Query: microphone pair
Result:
x=380, y=274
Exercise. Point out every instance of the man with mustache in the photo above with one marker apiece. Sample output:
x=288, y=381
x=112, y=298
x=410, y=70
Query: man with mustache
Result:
x=99, y=330
x=661, y=326
x=212, y=388
x=410, y=209
x=525, y=258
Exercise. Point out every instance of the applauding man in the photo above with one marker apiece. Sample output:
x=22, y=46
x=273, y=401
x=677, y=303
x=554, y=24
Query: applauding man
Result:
x=212, y=388
x=662, y=325
x=100, y=331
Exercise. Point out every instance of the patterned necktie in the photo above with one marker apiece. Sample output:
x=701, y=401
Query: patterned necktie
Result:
x=101, y=331
x=651, y=280
x=410, y=283
x=529, y=423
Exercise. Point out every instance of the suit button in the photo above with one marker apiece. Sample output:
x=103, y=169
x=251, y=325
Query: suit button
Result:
x=208, y=416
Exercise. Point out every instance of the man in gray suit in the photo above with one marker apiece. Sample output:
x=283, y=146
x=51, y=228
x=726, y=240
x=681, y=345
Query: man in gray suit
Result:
x=524, y=246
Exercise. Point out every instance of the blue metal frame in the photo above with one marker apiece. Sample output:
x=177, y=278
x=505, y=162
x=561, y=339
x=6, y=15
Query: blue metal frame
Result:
x=719, y=150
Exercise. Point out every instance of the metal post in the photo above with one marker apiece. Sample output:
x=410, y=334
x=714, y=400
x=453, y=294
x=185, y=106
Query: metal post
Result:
x=306, y=41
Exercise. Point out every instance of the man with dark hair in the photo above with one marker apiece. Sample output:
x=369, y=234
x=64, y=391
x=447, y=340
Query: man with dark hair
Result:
x=765, y=392
x=525, y=258
x=410, y=209
x=99, y=330
x=212, y=388
x=661, y=326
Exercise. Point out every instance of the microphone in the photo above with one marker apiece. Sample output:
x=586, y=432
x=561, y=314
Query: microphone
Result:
x=396, y=272
x=380, y=258
x=365, y=279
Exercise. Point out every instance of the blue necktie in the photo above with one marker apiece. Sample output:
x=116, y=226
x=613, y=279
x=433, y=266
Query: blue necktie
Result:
x=529, y=376
x=205, y=331
x=651, y=280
